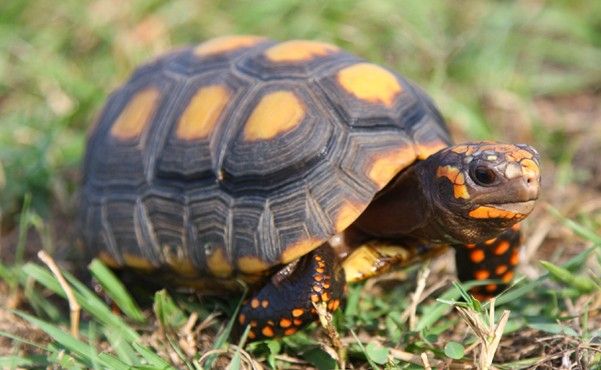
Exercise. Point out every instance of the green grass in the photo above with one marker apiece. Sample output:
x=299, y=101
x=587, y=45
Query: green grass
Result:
x=490, y=65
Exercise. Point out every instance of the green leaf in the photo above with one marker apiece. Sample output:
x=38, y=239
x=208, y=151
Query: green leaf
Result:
x=454, y=350
x=153, y=359
x=320, y=359
x=582, y=283
x=377, y=353
x=88, y=300
x=83, y=351
x=115, y=290
x=167, y=312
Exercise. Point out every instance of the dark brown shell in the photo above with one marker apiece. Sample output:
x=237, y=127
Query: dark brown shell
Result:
x=243, y=153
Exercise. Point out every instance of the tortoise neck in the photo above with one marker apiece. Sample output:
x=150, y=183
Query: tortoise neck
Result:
x=401, y=209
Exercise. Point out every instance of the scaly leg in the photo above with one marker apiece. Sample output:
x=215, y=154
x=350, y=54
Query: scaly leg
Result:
x=494, y=259
x=285, y=303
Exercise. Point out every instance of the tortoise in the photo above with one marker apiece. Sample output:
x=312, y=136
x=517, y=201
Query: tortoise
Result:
x=294, y=168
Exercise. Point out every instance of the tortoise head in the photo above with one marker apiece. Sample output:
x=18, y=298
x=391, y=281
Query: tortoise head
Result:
x=483, y=188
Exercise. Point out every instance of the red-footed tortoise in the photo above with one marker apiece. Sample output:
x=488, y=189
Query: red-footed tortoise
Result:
x=297, y=168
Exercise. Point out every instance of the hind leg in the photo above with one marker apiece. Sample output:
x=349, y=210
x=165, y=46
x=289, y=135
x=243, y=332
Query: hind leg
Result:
x=494, y=259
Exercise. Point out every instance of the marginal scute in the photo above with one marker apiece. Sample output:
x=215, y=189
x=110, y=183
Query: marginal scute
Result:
x=424, y=150
x=370, y=83
x=385, y=166
x=277, y=112
x=218, y=263
x=226, y=44
x=298, y=51
x=107, y=259
x=252, y=264
x=137, y=262
x=347, y=214
x=136, y=115
x=202, y=113
x=299, y=249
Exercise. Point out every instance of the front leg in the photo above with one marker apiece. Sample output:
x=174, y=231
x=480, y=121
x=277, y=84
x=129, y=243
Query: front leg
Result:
x=376, y=257
x=494, y=259
x=285, y=303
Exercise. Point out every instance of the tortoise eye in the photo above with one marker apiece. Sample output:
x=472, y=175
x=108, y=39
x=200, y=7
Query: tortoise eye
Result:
x=484, y=176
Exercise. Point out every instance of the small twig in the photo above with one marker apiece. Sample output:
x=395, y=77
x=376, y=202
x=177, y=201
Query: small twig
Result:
x=326, y=320
x=74, y=307
x=410, y=311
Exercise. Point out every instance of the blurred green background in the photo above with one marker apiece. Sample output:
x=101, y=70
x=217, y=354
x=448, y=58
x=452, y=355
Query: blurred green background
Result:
x=490, y=66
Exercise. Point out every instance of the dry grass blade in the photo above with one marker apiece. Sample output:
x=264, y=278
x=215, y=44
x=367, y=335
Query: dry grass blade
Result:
x=247, y=361
x=74, y=307
x=488, y=334
x=326, y=320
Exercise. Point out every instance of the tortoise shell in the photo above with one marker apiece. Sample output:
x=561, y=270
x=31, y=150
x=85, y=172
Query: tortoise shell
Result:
x=243, y=153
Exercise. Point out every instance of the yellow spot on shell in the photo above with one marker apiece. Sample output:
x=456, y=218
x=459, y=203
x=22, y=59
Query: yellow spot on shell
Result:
x=108, y=260
x=298, y=51
x=277, y=112
x=386, y=166
x=218, y=263
x=284, y=323
x=252, y=335
x=264, y=303
x=251, y=265
x=370, y=83
x=299, y=249
x=136, y=115
x=202, y=113
x=226, y=44
x=137, y=262
x=254, y=303
x=347, y=214
x=241, y=318
x=297, y=312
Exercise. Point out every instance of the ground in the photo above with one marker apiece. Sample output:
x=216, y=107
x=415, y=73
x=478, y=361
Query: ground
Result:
x=523, y=71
